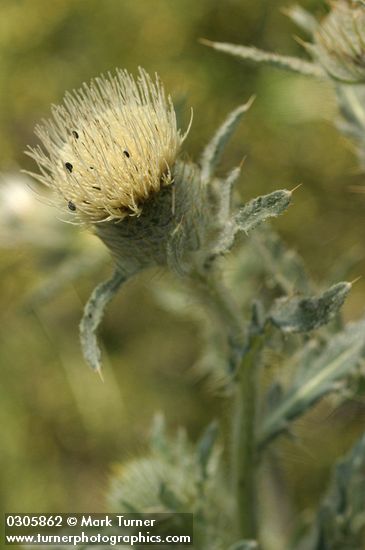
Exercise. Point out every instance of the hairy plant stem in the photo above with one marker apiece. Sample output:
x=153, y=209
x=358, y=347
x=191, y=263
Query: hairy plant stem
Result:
x=242, y=362
x=218, y=299
x=243, y=451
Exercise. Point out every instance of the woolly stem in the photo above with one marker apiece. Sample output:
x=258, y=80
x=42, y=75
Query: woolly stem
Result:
x=242, y=360
x=243, y=451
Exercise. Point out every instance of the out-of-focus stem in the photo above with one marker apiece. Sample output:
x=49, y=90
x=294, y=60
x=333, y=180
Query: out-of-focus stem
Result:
x=243, y=452
x=242, y=362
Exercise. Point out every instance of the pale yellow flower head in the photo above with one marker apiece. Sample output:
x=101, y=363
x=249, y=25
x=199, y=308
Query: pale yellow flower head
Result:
x=111, y=146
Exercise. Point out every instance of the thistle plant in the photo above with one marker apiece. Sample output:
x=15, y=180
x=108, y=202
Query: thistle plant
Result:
x=112, y=155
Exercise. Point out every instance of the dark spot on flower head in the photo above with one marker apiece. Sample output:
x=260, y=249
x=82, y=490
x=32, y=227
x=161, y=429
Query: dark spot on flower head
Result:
x=69, y=166
x=71, y=206
x=75, y=134
x=96, y=187
x=126, y=153
x=91, y=167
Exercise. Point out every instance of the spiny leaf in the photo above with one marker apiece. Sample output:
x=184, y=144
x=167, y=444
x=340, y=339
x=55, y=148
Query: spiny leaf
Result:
x=305, y=314
x=232, y=176
x=224, y=191
x=213, y=151
x=93, y=314
x=339, y=358
x=220, y=196
x=250, y=216
x=249, y=53
x=262, y=208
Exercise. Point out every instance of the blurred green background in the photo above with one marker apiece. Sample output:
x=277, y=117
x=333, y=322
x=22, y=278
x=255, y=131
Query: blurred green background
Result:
x=62, y=429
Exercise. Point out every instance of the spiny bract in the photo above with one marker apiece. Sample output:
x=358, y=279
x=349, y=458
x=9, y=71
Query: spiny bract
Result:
x=109, y=147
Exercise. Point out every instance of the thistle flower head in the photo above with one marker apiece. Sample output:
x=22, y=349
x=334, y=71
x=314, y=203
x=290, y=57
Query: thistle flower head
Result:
x=109, y=147
x=340, y=41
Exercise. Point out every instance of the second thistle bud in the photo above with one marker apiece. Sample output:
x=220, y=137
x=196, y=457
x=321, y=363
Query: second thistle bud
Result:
x=340, y=42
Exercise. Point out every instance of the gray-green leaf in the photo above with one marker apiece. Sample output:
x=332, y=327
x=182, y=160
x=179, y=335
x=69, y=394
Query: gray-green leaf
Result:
x=249, y=53
x=93, y=314
x=305, y=314
x=339, y=358
x=251, y=215
x=262, y=208
x=213, y=151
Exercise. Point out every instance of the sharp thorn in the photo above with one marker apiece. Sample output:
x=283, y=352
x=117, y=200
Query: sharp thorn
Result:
x=296, y=187
x=99, y=372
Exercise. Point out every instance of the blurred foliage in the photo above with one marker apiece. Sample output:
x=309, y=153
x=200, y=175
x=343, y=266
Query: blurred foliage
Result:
x=61, y=427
